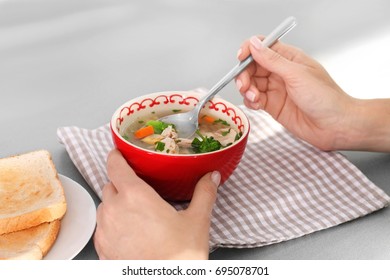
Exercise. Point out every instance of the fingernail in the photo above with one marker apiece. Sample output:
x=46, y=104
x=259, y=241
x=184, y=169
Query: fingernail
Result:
x=256, y=42
x=256, y=106
x=250, y=95
x=239, y=53
x=216, y=177
x=238, y=84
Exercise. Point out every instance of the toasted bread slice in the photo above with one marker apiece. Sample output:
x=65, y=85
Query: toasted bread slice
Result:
x=29, y=244
x=30, y=191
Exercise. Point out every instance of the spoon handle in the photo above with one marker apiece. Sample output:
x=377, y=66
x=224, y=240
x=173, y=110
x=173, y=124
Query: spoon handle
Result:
x=282, y=29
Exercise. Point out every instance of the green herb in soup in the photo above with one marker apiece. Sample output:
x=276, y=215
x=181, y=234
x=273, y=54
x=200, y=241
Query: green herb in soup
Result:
x=151, y=133
x=158, y=126
x=205, y=144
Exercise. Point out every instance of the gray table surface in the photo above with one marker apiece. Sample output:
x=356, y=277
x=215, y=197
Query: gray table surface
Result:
x=73, y=62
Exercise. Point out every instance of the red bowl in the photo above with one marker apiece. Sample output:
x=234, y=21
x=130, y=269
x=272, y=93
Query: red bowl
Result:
x=174, y=176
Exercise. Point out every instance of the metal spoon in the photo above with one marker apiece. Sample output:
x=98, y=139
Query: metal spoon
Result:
x=187, y=123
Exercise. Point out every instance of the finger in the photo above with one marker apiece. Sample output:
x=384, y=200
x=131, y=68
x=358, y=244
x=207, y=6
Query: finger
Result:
x=97, y=235
x=252, y=95
x=120, y=172
x=205, y=194
x=99, y=239
x=262, y=101
x=243, y=80
x=244, y=51
x=99, y=215
x=109, y=191
x=102, y=256
x=97, y=244
x=96, y=240
x=253, y=105
x=289, y=52
x=256, y=97
x=270, y=59
x=260, y=83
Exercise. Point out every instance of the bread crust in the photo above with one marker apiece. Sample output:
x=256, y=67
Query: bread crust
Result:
x=52, y=235
x=32, y=219
x=30, y=191
x=32, y=243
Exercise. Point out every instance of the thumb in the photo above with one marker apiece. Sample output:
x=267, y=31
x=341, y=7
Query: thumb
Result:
x=205, y=194
x=269, y=59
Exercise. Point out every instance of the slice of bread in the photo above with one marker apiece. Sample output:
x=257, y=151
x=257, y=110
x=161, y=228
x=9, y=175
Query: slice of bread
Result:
x=29, y=244
x=30, y=191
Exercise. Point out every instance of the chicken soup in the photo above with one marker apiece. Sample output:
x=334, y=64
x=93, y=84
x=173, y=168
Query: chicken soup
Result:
x=150, y=133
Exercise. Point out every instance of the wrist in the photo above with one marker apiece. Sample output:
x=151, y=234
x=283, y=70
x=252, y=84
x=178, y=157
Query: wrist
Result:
x=367, y=126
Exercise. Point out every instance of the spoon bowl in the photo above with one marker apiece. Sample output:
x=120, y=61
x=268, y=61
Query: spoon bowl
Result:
x=185, y=123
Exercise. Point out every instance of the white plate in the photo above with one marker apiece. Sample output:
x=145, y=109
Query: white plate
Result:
x=77, y=225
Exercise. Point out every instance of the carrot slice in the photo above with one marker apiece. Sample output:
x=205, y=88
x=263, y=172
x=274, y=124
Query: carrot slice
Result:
x=144, y=131
x=208, y=119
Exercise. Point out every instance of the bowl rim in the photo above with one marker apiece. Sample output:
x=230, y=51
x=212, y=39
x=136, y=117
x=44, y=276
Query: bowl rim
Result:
x=116, y=113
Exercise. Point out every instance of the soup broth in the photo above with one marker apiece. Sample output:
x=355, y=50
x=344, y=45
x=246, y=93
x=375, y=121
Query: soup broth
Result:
x=149, y=133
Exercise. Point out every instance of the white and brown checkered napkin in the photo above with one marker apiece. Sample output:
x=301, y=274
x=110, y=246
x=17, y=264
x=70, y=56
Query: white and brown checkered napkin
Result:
x=282, y=189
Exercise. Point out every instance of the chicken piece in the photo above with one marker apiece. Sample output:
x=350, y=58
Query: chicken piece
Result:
x=184, y=142
x=170, y=146
x=169, y=132
x=152, y=139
